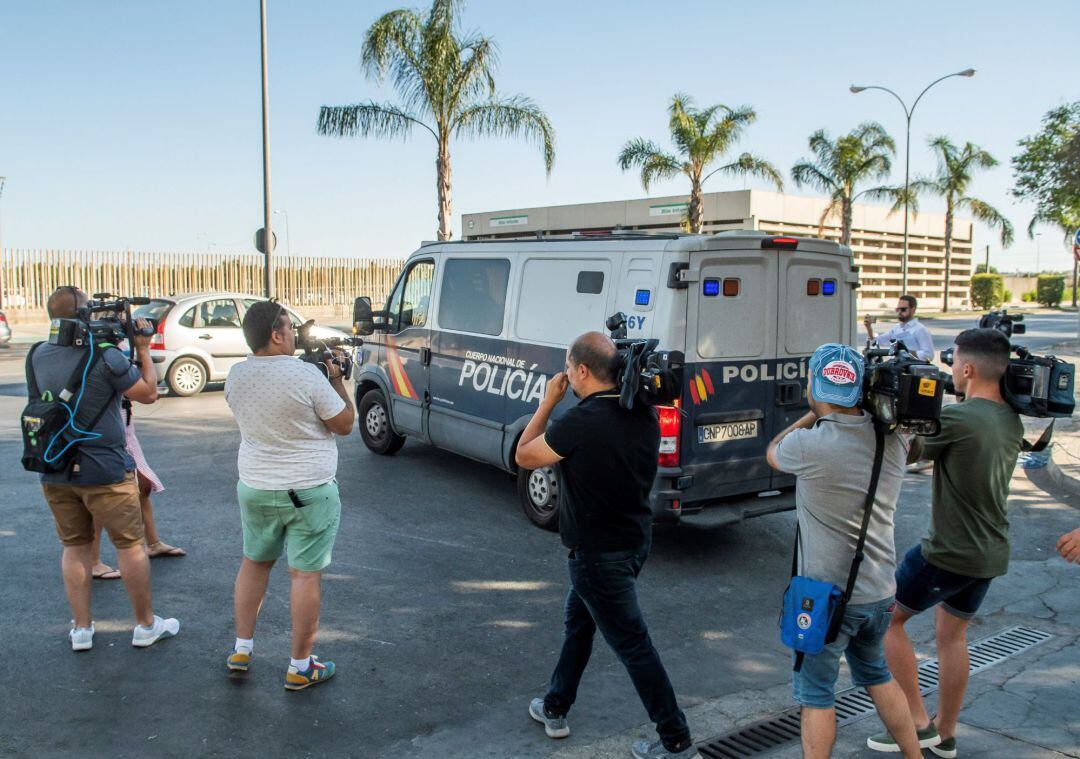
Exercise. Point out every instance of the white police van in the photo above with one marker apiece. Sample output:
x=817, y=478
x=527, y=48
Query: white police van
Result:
x=460, y=355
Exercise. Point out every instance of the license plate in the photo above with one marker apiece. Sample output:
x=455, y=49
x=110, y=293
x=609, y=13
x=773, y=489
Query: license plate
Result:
x=722, y=433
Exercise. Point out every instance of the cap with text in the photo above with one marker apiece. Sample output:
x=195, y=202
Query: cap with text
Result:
x=837, y=372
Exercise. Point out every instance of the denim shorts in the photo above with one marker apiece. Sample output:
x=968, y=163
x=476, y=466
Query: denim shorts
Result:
x=920, y=585
x=860, y=641
x=272, y=524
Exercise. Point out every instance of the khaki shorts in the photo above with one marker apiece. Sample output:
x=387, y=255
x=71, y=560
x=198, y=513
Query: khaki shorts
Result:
x=115, y=507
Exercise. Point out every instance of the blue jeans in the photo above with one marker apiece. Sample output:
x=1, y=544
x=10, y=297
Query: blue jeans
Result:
x=860, y=642
x=920, y=585
x=603, y=595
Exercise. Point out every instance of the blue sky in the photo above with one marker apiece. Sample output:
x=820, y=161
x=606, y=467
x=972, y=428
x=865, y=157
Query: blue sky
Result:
x=137, y=125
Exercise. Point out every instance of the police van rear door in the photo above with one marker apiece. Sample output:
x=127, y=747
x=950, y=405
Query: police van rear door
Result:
x=730, y=355
x=816, y=305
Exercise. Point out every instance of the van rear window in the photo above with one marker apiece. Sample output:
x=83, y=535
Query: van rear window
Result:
x=590, y=282
x=473, y=297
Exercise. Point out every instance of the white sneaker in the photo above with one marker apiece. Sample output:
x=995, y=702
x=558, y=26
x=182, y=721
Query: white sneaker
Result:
x=148, y=636
x=82, y=638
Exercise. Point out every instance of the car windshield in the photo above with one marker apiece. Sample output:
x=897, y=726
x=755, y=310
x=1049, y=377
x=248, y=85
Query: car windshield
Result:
x=155, y=310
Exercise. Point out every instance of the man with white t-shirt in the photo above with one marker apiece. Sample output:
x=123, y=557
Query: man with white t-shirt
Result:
x=288, y=414
x=908, y=330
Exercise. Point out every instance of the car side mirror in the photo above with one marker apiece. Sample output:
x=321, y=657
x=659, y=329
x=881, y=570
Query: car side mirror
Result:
x=363, y=318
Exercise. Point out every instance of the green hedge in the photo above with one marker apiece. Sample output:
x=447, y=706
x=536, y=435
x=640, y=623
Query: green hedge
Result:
x=1029, y=296
x=1051, y=289
x=987, y=290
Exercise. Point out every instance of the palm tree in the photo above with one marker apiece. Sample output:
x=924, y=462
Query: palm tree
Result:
x=839, y=166
x=701, y=136
x=955, y=169
x=447, y=86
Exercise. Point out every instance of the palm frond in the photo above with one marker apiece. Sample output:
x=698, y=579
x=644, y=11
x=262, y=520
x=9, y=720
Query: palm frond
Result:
x=990, y=216
x=813, y=175
x=832, y=207
x=681, y=123
x=367, y=120
x=754, y=166
x=515, y=116
x=653, y=162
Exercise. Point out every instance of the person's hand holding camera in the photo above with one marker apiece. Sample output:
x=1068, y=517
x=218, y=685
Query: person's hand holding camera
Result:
x=333, y=367
x=139, y=340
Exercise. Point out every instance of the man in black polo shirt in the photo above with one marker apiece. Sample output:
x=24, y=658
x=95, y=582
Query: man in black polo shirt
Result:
x=607, y=458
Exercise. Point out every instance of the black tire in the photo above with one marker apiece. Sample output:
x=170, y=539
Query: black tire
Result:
x=186, y=376
x=538, y=490
x=373, y=418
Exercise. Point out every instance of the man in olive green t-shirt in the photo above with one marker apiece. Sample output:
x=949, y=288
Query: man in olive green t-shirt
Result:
x=968, y=541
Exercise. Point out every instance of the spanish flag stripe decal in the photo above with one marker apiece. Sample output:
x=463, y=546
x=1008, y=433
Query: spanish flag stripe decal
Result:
x=701, y=389
x=708, y=381
x=693, y=392
x=398, y=375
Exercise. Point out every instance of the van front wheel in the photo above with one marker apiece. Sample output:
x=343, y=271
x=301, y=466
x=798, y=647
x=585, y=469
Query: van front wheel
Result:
x=539, y=491
x=373, y=418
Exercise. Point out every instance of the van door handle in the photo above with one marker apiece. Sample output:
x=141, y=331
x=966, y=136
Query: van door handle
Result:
x=788, y=393
x=425, y=356
x=206, y=337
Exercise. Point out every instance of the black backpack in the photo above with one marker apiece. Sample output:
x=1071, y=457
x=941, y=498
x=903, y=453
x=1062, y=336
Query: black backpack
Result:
x=46, y=449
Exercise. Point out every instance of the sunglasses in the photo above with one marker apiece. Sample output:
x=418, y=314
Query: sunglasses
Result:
x=902, y=309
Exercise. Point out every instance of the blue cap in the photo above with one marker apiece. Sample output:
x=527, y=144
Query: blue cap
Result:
x=837, y=372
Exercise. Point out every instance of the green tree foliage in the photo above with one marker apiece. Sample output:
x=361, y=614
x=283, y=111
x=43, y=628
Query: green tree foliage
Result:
x=956, y=166
x=701, y=136
x=840, y=165
x=446, y=82
x=1051, y=289
x=987, y=291
x=1047, y=170
x=981, y=269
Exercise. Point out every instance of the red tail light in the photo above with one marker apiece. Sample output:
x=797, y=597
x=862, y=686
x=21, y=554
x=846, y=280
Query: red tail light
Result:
x=157, y=342
x=3, y=318
x=670, y=429
x=783, y=243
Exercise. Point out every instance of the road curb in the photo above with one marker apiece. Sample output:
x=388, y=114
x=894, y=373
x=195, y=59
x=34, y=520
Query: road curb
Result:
x=1065, y=481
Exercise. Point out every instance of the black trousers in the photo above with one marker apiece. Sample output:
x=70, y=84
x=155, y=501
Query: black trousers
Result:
x=603, y=595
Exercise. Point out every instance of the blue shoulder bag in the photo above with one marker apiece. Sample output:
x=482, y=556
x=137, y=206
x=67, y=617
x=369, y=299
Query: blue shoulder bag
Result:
x=813, y=610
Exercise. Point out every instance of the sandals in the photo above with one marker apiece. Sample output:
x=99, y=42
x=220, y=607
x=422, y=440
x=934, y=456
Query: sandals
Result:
x=161, y=548
x=106, y=573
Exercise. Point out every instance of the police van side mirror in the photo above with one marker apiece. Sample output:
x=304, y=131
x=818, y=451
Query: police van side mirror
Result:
x=363, y=318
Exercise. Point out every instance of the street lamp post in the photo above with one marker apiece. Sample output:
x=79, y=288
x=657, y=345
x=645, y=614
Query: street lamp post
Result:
x=288, y=244
x=268, y=234
x=908, y=112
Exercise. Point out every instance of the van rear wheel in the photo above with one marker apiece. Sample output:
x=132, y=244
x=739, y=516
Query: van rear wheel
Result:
x=373, y=416
x=539, y=491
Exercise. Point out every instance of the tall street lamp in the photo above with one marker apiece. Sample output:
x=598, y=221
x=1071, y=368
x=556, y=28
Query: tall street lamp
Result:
x=855, y=89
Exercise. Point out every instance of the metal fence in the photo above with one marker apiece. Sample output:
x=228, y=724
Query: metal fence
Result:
x=326, y=284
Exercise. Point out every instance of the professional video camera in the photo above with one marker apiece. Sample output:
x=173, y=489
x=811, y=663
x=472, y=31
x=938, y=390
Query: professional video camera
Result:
x=901, y=390
x=645, y=374
x=1039, y=386
x=318, y=351
x=105, y=318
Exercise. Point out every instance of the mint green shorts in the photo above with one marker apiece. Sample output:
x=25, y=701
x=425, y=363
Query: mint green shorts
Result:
x=272, y=524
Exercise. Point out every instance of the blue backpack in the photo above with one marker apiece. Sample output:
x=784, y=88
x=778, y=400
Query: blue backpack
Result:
x=813, y=610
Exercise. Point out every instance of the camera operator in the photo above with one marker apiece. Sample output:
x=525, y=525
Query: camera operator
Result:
x=288, y=414
x=910, y=330
x=830, y=450
x=607, y=458
x=968, y=541
x=101, y=484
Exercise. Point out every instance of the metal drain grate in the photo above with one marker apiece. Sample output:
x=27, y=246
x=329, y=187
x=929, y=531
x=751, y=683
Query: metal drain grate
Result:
x=855, y=703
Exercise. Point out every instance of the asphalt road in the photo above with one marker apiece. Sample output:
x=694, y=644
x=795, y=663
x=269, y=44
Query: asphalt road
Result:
x=442, y=609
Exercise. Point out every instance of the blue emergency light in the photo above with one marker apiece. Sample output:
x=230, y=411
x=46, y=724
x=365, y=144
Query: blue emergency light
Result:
x=711, y=287
x=641, y=298
x=828, y=287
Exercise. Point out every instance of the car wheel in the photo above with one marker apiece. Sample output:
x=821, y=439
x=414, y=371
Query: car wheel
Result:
x=187, y=376
x=373, y=417
x=539, y=491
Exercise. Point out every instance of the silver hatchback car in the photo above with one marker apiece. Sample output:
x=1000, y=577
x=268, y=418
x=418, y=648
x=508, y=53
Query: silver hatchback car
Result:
x=199, y=337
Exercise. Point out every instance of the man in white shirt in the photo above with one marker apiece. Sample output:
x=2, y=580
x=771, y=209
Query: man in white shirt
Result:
x=910, y=330
x=288, y=414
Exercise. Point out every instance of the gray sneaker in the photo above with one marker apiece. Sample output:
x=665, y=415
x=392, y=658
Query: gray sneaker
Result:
x=885, y=743
x=646, y=750
x=555, y=727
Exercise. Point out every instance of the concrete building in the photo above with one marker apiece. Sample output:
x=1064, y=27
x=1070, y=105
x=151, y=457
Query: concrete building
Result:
x=877, y=238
